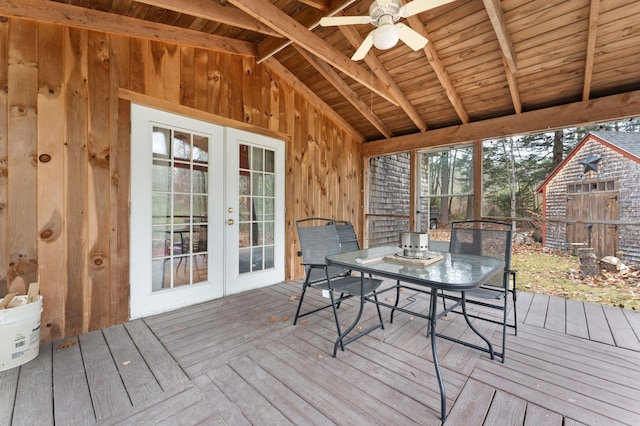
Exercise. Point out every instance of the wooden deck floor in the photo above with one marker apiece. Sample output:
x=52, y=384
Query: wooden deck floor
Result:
x=240, y=361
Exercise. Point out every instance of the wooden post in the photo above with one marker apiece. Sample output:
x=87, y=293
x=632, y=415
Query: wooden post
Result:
x=414, y=173
x=477, y=179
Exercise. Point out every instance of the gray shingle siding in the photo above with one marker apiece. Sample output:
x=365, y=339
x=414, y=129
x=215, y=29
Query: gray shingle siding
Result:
x=613, y=166
x=389, y=193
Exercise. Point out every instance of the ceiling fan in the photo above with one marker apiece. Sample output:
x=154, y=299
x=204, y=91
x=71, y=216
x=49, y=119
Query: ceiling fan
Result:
x=384, y=14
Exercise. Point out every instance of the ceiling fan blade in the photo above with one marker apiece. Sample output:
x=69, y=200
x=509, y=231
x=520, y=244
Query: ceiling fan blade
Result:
x=364, y=48
x=410, y=37
x=330, y=21
x=419, y=6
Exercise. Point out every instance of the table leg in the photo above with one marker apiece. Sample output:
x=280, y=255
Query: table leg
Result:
x=432, y=332
x=397, y=299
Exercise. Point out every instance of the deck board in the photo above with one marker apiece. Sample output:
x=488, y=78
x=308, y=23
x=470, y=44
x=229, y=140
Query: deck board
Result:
x=506, y=409
x=634, y=321
x=167, y=372
x=576, y=319
x=137, y=378
x=621, y=330
x=105, y=385
x=537, y=314
x=8, y=388
x=256, y=408
x=70, y=379
x=556, y=315
x=240, y=361
x=599, y=329
x=295, y=409
x=537, y=415
x=35, y=385
x=472, y=405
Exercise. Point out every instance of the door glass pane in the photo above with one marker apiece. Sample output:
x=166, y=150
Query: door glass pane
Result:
x=269, y=185
x=244, y=183
x=269, y=161
x=180, y=208
x=258, y=182
x=244, y=213
x=161, y=143
x=256, y=159
x=161, y=175
x=256, y=208
x=182, y=146
x=181, y=178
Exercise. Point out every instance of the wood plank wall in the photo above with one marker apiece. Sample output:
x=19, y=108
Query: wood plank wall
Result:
x=64, y=156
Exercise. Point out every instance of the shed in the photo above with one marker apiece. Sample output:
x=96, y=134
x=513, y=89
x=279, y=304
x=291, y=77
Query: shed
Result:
x=592, y=199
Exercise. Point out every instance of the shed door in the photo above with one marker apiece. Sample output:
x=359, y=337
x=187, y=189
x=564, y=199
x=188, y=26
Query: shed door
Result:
x=594, y=206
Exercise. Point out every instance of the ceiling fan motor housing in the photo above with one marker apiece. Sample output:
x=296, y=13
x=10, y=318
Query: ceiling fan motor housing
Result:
x=382, y=8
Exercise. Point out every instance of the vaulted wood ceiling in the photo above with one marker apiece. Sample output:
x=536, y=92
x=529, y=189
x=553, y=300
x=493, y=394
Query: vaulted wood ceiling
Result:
x=485, y=59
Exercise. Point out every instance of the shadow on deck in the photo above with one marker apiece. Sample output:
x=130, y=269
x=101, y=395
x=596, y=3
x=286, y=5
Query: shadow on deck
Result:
x=239, y=360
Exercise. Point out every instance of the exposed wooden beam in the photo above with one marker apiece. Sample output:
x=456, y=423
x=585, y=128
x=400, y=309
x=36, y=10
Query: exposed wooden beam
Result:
x=341, y=86
x=609, y=108
x=591, y=48
x=307, y=17
x=500, y=28
x=270, y=15
x=81, y=17
x=214, y=11
x=438, y=68
x=316, y=4
x=513, y=88
x=354, y=37
x=173, y=107
x=294, y=82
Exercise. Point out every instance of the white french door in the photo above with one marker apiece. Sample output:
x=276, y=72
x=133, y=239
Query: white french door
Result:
x=194, y=222
x=254, y=211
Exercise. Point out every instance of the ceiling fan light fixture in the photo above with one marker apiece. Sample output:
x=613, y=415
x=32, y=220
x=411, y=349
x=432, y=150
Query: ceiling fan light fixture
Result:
x=386, y=36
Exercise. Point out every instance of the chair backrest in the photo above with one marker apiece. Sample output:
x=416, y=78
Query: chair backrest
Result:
x=319, y=239
x=484, y=238
x=347, y=236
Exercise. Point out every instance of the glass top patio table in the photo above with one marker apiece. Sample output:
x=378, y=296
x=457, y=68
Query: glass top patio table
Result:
x=457, y=272
x=453, y=272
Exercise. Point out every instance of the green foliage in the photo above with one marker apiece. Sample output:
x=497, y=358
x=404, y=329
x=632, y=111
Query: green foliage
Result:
x=533, y=157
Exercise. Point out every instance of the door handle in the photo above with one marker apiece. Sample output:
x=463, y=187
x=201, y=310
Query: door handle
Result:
x=230, y=222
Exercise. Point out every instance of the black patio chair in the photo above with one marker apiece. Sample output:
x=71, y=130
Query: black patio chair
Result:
x=318, y=239
x=494, y=239
x=347, y=236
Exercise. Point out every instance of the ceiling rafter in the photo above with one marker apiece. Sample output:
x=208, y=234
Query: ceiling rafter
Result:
x=594, y=14
x=440, y=71
x=513, y=87
x=316, y=4
x=214, y=11
x=81, y=17
x=270, y=15
x=354, y=37
x=309, y=19
x=330, y=75
x=494, y=10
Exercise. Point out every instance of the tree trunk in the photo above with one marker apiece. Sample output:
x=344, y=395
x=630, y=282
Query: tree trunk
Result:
x=558, y=148
x=446, y=177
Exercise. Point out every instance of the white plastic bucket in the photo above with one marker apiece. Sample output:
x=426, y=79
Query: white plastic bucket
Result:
x=20, y=333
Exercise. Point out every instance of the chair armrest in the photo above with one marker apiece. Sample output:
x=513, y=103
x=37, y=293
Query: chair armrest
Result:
x=315, y=265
